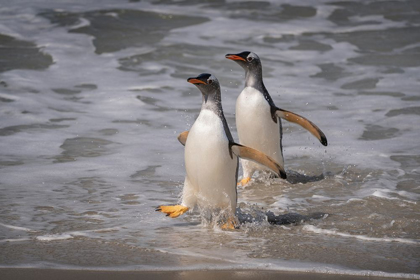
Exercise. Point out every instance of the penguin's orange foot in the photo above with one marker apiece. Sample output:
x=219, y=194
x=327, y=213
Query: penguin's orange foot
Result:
x=172, y=211
x=231, y=224
x=244, y=181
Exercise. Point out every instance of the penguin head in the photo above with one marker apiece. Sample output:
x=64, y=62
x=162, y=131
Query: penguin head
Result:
x=207, y=84
x=247, y=60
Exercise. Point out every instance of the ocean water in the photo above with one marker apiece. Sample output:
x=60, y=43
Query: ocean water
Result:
x=93, y=95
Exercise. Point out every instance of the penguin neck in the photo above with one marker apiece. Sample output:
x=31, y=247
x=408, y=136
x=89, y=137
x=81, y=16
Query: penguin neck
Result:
x=254, y=79
x=213, y=102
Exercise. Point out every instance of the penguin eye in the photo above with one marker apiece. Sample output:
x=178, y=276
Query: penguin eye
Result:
x=249, y=58
x=209, y=81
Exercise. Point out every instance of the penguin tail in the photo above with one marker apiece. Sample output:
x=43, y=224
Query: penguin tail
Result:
x=172, y=211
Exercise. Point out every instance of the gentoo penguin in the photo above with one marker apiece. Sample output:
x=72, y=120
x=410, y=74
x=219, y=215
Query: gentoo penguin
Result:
x=211, y=160
x=257, y=117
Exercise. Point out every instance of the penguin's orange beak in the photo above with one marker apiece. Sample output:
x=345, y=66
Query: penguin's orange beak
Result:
x=234, y=57
x=196, y=81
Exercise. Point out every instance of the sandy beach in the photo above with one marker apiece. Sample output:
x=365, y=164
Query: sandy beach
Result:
x=46, y=274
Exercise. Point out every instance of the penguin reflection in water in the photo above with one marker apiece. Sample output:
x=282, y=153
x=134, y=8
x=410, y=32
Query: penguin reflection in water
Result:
x=211, y=161
x=258, y=119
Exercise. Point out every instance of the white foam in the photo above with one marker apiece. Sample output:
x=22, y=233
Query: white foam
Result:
x=382, y=194
x=9, y=96
x=83, y=23
x=321, y=197
x=63, y=236
x=386, y=194
x=17, y=228
x=283, y=202
x=347, y=201
x=73, y=234
x=314, y=229
x=54, y=237
x=14, y=240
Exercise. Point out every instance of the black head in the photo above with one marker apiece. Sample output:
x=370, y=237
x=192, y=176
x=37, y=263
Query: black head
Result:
x=247, y=60
x=207, y=84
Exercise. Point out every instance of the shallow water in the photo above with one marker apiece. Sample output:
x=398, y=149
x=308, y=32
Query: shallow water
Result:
x=94, y=93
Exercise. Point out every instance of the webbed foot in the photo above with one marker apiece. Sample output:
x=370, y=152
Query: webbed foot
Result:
x=172, y=211
x=244, y=181
x=231, y=224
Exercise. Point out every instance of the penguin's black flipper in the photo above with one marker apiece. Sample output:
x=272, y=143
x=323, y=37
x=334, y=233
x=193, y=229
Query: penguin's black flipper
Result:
x=259, y=157
x=182, y=137
x=303, y=122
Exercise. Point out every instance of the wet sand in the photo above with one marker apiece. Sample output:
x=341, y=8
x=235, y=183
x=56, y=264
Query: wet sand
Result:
x=46, y=274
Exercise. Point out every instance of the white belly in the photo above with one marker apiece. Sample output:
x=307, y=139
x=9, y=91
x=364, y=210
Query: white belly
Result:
x=256, y=127
x=210, y=169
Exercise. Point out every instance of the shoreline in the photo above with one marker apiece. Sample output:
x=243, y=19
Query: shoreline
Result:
x=234, y=274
